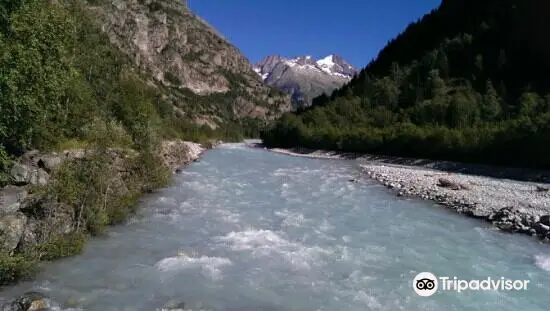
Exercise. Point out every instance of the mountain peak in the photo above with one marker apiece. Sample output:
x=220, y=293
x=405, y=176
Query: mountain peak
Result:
x=332, y=64
x=305, y=77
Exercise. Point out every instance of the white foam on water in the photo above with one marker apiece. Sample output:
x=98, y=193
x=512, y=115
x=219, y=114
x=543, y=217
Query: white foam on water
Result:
x=233, y=146
x=290, y=218
x=369, y=301
x=201, y=187
x=210, y=265
x=543, y=262
x=171, y=201
x=295, y=171
x=229, y=216
x=169, y=215
x=266, y=243
x=325, y=226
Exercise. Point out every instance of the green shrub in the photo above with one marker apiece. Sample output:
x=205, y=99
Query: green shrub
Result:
x=15, y=268
x=62, y=246
x=119, y=210
x=5, y=164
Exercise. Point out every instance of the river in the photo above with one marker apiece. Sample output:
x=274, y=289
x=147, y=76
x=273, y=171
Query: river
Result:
x=245, y=229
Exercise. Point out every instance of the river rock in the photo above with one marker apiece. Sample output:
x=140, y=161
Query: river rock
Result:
x=545, y=219
x=174, y=305
x=31, y=301
x=541, y=228
x=447, y=183
x=505, y=226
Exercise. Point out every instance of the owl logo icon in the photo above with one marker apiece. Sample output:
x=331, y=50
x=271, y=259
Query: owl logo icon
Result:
x=425, y=284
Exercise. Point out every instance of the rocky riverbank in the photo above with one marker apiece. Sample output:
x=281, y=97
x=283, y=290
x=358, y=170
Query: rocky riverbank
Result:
x=512, y=206
x=46, y=204
x=520, y=206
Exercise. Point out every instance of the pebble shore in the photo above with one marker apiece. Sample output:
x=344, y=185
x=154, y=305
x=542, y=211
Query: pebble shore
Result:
x=510, y=205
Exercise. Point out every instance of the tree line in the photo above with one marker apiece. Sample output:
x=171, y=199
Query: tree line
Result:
x=466, y=83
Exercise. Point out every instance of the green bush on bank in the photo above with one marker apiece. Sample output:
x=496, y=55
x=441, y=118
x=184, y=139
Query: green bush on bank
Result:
x=15, y=268
x=60, y=246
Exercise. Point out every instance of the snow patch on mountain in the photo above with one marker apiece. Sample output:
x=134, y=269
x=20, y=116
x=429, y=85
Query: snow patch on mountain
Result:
x=303, y=77
x=332, y=65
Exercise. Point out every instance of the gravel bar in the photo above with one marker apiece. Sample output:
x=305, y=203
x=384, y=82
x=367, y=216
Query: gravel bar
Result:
x=510, y=205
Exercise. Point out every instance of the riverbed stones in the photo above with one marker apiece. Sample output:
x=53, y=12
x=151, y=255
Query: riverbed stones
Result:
x=509, y=205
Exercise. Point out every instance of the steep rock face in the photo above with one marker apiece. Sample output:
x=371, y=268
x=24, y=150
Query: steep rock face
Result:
x=303, y=77
x=187, y=57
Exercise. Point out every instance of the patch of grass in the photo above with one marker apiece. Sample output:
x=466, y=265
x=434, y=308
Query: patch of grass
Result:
x=70, y=144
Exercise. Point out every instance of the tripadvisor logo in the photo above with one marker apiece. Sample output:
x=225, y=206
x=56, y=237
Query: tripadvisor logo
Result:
x=426, y=284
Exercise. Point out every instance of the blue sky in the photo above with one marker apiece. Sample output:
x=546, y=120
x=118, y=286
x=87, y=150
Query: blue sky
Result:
x=354, y=29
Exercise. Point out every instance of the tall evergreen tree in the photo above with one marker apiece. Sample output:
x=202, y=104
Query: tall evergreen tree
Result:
x=491, y=107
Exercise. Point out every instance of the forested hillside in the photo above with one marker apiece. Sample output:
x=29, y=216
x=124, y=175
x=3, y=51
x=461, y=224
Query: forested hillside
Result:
x=468, y=82
x=64, y=82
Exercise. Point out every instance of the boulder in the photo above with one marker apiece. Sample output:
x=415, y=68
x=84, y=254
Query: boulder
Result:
x=49, y=162
x=541, y=228
x=446, y=183
x=174, y=305
x=505, y=226
x=20, y=173
x=44, y=218
x=545, y=219
x=12, y=227
x=31, y=301
x=542, y=189
x=11, y=198
x=23, y=174
x=12, y=220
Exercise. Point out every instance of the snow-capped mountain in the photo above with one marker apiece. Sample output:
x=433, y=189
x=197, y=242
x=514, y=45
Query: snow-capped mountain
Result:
x=304, y=77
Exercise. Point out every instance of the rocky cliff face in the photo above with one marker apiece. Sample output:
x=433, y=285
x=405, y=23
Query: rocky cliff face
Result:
x=189, y=59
